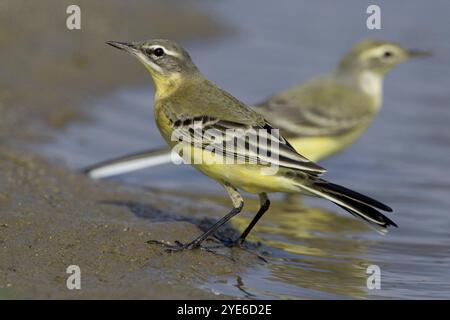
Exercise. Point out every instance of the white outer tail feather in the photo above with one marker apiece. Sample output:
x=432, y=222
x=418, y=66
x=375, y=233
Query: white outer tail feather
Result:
x=127, y=165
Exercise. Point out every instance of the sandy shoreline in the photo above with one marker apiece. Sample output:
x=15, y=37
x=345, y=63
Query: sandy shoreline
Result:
x=52, y=218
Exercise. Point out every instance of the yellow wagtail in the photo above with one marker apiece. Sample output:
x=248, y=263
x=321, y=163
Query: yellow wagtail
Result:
x=328, y=114
x=188, y=108
x=320, y=118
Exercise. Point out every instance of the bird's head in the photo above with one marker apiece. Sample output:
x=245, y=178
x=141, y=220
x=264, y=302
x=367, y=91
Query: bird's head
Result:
x=167, y=62
x=376, y=56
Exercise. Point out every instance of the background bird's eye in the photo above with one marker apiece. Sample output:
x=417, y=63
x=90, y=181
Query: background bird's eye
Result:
x=158, y=52
x=388, y=54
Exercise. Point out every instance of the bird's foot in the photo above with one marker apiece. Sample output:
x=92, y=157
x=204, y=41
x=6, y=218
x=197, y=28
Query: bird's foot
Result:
x=241, y=244
x=179, y=246
x=235, y=243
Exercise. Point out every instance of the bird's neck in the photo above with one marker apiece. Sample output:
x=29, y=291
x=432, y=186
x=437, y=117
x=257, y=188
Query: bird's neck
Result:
x=168, y=85
x=366, y=81
x=165, y=86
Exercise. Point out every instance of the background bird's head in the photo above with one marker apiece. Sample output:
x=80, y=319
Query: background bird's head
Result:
x=167, y=62
x=376, y=56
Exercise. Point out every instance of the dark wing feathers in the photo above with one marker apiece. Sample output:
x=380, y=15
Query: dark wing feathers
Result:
x=245, y=135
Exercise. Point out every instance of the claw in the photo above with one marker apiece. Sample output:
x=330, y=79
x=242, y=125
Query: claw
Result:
x=240, y=243
x=236, y=243
x=178, y=246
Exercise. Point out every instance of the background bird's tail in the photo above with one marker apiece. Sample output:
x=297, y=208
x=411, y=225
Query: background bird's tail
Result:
x=128, y=163
x=359, y=205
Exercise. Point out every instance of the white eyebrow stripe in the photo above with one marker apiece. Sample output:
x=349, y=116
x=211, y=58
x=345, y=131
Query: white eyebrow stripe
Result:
x=169, y=52
x=378, y=51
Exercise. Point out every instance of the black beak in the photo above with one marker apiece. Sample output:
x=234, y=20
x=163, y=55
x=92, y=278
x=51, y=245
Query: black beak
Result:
x=126, y=46
x=417, y=53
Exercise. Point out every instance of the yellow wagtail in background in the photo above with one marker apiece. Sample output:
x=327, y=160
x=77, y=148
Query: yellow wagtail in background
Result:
x=184, y=98
x=320, y=118
x=328, y=114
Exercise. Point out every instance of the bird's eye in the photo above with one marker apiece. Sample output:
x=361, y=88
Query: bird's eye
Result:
x=388, y=54
x=158, y=52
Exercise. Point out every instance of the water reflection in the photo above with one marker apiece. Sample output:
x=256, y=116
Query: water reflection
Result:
x=320, y=252
x=310, y=248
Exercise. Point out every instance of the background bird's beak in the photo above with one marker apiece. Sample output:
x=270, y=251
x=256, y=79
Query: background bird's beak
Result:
x=126, y=46
x=417, y=53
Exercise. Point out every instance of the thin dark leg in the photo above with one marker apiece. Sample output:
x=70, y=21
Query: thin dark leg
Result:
x=238, y=204
x=197, y=241
x=265, y=204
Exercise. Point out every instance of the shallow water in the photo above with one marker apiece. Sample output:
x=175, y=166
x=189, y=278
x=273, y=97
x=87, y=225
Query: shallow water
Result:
x=402, y=160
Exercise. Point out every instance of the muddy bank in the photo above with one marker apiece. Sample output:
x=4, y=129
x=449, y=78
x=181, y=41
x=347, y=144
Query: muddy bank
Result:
x=51, y=218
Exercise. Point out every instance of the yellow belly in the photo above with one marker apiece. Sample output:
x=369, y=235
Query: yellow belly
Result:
x=248, y=178
x=318, y=148
x=251, y=178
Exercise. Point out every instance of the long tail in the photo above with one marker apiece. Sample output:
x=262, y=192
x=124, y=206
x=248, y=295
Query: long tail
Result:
x=357, y=204
x=128, y=163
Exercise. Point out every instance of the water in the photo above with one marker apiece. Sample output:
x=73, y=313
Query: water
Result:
x=402, y=160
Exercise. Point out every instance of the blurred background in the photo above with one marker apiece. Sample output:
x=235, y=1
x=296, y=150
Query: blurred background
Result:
x=71, y=99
